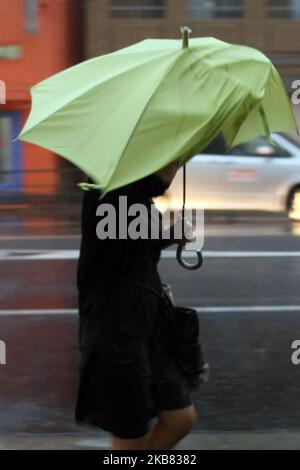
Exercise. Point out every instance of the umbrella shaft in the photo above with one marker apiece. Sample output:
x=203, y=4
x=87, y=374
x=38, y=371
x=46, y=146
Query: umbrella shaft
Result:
x=184, y=189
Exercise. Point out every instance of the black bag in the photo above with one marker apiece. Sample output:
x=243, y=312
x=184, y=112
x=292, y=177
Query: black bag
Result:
x=184, y=334
x=182, y=330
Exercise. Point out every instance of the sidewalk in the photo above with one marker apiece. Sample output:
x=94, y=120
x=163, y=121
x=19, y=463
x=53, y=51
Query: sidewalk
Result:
x=195, y=441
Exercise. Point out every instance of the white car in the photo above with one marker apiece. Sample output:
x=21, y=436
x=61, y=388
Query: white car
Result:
x=252, y=176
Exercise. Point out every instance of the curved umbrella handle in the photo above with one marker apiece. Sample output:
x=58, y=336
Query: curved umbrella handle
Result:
x=185, y=264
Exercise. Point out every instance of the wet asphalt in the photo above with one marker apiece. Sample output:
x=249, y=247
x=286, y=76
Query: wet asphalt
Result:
x=248, y=298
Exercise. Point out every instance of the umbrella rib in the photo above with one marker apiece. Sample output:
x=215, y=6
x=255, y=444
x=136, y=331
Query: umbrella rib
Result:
x=118, y=75
x=168, y=70
x=142, y=115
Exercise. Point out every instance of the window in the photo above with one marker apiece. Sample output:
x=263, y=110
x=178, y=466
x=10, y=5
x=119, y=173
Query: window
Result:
x=137, y=8
x=285, y=9
x=206, y=9
x=9, y=151
x=5, y=151
x=31, y=16
x=259, y=147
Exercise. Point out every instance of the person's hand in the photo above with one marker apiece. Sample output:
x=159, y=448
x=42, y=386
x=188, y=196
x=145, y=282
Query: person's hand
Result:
x=183, y=231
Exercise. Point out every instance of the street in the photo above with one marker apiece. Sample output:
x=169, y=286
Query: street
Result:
x=248, y=299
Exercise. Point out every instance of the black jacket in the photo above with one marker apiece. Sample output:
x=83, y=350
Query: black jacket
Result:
x=103, y=262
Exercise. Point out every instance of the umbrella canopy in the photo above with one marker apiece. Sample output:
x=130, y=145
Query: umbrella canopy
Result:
x=125, y=115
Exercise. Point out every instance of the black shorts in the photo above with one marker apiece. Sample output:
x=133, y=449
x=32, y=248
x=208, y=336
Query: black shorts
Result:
x=127, y=373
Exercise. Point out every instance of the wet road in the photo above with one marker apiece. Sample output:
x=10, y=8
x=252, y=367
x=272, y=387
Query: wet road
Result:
x=248, y=298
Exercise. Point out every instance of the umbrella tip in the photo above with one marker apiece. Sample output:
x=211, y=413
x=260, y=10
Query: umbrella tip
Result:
x=186, y=31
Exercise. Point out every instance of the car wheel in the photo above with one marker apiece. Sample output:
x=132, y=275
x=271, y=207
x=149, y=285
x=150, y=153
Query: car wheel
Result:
x=294, y=205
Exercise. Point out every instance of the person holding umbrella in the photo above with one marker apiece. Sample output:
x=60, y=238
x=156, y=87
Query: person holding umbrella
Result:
x=128, y=375
x=125, y=119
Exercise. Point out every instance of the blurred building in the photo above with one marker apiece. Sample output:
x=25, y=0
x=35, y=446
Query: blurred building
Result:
x=40, y=37
x=37, y=39
x=273, y=26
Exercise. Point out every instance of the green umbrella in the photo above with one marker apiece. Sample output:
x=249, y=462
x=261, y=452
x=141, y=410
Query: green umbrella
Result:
x=125, y=115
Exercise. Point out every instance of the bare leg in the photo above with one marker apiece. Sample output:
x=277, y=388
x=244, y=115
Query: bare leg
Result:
x=171, y=428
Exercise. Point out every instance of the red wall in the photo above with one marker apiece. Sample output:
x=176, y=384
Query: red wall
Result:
x=56, y=46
